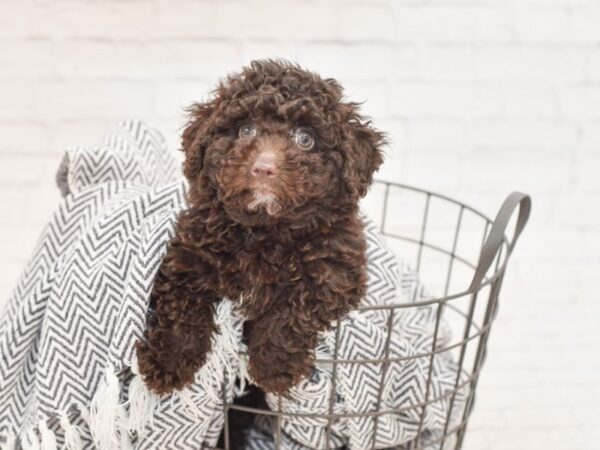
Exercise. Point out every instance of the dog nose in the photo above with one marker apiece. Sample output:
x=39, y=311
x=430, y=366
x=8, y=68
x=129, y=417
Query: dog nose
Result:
x=264, y=166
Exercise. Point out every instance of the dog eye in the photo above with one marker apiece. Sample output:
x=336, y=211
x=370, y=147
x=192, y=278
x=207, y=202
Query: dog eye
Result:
x=247, y=130
x=304, y=139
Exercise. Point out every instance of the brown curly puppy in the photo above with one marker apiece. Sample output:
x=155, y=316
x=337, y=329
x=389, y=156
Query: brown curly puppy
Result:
x=277, y=162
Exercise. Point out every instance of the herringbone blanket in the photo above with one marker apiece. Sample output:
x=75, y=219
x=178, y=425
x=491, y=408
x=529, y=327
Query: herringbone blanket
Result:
x=68, y=375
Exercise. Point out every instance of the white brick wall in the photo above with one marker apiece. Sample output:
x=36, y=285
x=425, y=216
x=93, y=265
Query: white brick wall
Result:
x=479, y=97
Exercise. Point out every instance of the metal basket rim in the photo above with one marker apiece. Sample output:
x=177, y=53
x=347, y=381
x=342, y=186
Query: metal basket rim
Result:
x=448, y=297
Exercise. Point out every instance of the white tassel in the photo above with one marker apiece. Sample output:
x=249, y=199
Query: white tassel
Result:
x=186, y=398
x=10, y=444
x=104, y=412
x=29, y=440
x=72, y=437
x=228, y=341
x=142, y=402
x=47, y=437
x=224, y=351
x=126, y=441
x=84, y=413
x=124, y=434
x=243, y=375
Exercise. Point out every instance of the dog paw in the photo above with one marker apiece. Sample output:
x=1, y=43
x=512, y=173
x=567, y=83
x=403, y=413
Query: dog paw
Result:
x=279, y=385
x=161, y=375
x=275, y=381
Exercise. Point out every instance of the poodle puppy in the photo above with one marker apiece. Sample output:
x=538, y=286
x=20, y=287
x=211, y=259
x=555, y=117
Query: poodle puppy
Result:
x=277, y=161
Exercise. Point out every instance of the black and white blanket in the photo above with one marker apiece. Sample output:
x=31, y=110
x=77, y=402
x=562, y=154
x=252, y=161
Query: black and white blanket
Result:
x=68, y=375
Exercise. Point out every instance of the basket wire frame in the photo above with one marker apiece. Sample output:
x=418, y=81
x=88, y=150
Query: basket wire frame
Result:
x=494, y=249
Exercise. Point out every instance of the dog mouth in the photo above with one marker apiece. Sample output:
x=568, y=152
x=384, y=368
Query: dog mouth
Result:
x=265, y=199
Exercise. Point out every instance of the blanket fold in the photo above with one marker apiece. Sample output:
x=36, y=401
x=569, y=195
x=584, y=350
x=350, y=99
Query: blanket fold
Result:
x=68, y=374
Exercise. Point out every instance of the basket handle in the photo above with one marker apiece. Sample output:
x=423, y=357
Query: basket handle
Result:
x=494, y=240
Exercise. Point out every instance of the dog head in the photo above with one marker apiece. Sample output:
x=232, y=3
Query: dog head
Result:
x=276, y=142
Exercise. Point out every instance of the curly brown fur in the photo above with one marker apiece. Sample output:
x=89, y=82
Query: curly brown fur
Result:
x=288, y=243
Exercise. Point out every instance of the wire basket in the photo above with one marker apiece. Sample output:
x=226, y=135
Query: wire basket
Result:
x=462, y=256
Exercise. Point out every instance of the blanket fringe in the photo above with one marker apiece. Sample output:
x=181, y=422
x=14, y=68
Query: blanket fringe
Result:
x=10, y=444
x=224, y=350
x=123, y=432
x=210, y=376
x=84, y=413
x=29, y=440
x=186, y=397
x=47, y=437
x=228, y=339
x=104, y=411
x=142, y=401
x=243, y=375
x=72, y=437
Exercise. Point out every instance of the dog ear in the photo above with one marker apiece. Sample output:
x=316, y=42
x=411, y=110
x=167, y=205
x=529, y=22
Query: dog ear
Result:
x=363, y=156
x=196, y=137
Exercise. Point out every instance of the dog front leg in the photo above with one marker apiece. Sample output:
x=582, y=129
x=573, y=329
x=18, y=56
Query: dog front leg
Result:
x=283, y=338
x=178, y=341
x=280, y=351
